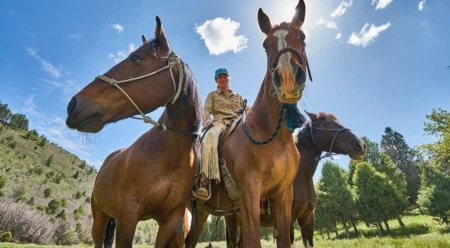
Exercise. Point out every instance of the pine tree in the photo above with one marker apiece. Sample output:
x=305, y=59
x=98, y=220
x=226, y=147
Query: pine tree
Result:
x=394, y=145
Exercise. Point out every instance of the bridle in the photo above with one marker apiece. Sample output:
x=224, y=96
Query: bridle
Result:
x=172, y=62
x=274, y=63
x=329, y=153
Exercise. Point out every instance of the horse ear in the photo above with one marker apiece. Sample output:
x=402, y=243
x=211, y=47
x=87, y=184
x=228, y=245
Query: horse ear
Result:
x=264, y=22
x=299, y=16
x=144, y=40
x=312, y=116
x=160, y=35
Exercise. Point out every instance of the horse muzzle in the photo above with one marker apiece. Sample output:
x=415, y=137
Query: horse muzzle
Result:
x=289, y=80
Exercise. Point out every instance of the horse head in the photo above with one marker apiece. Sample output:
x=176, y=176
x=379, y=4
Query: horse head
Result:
x=285, y=48
x=328, y=134
x=150, y=77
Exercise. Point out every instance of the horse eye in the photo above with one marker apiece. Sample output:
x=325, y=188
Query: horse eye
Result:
x=265, y=45
x=325, y=123
x=302, y=36
x=135, y=58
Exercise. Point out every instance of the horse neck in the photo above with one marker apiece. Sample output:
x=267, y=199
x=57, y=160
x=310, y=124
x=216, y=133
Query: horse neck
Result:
x=309, y=153
x=266, y=108
x=185, y=113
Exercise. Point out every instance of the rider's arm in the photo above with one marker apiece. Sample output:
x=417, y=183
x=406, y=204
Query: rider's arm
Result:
x=207, y=110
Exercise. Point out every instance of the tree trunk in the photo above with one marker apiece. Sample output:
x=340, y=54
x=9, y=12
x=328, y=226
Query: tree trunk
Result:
x=336, y=230
x=354, y=226
x=329, y=235
x=380, y=227
x=400, y=222
x=387, y=227
x=347, y=233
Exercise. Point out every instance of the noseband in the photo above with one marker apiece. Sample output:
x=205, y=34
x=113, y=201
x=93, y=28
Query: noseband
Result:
x=329, y=153
x=172, y=62
x=273, y=63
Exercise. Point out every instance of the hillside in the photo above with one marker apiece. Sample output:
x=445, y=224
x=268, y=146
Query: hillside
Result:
x=55, y=183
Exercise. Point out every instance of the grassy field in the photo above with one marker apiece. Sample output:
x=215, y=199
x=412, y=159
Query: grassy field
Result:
x=420, y=231
x=422, y=241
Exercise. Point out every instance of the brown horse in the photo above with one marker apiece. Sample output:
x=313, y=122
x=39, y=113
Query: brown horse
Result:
x=153, y=178
x=266, y=168
x=324, y=133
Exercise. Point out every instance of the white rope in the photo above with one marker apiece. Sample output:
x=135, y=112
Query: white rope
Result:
x=176, y=92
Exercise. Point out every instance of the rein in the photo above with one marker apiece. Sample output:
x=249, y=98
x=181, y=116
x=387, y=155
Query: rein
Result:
x=274, y=133
x=172, y=62
x=329, y=153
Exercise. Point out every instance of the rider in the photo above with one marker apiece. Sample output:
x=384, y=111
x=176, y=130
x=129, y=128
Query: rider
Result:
x=222, y=104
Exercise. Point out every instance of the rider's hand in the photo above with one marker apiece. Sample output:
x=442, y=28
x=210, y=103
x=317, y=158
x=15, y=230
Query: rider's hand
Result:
x=206, y=123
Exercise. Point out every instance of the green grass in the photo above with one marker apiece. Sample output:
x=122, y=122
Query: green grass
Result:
x=422, y=241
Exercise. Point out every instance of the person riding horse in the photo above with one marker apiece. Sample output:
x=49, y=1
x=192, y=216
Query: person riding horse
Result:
x=222, y=104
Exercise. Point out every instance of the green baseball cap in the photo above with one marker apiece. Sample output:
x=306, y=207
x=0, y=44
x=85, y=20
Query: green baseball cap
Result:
x=221, y=71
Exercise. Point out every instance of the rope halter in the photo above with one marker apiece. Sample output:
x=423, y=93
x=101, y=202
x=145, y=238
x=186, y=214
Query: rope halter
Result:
x=337, y=130
x=172, y=62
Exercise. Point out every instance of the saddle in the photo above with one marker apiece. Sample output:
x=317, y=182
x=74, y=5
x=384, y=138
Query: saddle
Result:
x=224, y=174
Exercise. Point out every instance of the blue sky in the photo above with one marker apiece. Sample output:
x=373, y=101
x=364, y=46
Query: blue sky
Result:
x=375, y=63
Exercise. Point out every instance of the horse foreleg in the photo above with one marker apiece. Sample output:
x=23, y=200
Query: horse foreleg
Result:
x=306, y=224
x=171, y=231
x=250, y=194
x=281, y=214
x=99, y=225
x=231, y=222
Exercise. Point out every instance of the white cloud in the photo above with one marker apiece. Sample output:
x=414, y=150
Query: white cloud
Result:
x=45, y=65
x=122, y=54
x=30, y=107
x=75, y=37
x=340, y=10
x=421, y=4
x=68, y=87
x=55, y=129
x=328, y=24
x=338, y=36
x=381, y=4
x=365, y=37
x=220, y=36
x=118, y=27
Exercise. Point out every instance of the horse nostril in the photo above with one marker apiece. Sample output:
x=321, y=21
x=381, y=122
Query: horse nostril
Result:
x=360, y=145
x=300, y=75
x=276, y=78
x=72, y=105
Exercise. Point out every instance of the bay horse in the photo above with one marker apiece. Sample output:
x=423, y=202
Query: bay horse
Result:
x=323, y=133
x=153, y=178
x=260, y=154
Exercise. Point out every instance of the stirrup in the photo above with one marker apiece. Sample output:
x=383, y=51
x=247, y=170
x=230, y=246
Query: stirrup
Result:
x=202, y=199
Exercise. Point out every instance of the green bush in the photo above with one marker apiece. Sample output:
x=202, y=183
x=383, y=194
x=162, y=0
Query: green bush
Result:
x=54, y=205
x=76, y=175
x=13, y=145
x=47, y=192
x=2, y=181
x=78, y=195
x=31, y=201
x=6, y=237
x=49, y=161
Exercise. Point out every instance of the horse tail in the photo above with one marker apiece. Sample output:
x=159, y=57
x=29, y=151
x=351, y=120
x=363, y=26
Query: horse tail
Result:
x=193, y=232
x=109, y=237
x=227, y=237
x=292, y=231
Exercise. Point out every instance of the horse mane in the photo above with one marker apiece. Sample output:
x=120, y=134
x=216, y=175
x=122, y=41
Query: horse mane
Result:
x=305, y=131
x=327, y=115
x=190, y=90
